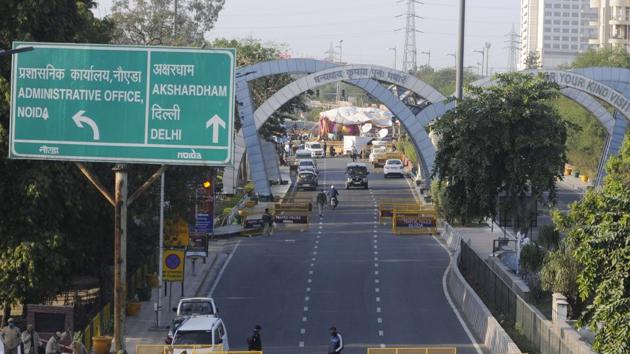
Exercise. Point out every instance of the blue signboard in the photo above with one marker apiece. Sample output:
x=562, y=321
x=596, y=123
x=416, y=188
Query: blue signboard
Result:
x=204, y=223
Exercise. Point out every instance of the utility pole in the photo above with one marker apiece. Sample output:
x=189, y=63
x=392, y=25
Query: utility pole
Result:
x=483, y=60
x=459, y=76
x=428, y=54
x=175, y=20
x=454, y=58
x=395, y=55
x=513, y=47
x=487, y=57
x=410, y=52
x=340, y=46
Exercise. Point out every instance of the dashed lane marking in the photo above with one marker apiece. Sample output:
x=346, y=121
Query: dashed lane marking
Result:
x=376, y=281
x=301, y=344
x=302, y=330
x=378, y=299
x=380, y=333
x=306, y=298
x=304, y=319
x=377, y=290
x=305, y=308
x=379, y=320
x=378, y=310
x=376, y=272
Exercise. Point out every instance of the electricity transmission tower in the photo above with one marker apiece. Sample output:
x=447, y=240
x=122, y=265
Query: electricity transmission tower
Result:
x=410, y=53
x=332, y=54
x=513, y=48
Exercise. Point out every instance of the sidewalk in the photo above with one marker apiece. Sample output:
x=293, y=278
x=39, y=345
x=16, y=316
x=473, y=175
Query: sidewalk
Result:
x=141, y=329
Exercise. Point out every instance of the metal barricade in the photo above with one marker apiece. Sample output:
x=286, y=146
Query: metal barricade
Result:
x=386, y=207
x=186, y=349
x=410, y=350
x=295, y=213
x=422, y=221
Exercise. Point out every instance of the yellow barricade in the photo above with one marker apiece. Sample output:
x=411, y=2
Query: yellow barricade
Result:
x=186, y=349
x=415, y=222
x=421, y=350
x=386, y=207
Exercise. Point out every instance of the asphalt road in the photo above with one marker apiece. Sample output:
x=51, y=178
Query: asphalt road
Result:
x=346, y=270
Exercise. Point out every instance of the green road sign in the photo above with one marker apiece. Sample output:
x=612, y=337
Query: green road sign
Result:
x=122, y=104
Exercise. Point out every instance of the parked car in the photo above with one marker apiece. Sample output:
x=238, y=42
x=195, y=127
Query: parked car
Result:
x=393, y=167
x=357, y=175
x=207, y=331
x=315, y=148
x=307, y=179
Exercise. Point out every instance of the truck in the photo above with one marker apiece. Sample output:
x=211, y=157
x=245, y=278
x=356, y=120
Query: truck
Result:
x=358, y=142
x=379, y=158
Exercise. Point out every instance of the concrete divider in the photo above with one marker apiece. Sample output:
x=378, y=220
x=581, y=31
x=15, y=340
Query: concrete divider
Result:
x=478, y=317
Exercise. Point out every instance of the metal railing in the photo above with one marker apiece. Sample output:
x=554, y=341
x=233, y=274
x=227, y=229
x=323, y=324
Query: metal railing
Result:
x=419, y=350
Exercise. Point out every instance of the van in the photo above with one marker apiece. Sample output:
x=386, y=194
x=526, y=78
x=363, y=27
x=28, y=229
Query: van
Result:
x=315, y=148
x=204, y=333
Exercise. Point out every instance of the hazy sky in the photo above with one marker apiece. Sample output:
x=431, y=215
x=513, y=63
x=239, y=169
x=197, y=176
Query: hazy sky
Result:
x=367, y=27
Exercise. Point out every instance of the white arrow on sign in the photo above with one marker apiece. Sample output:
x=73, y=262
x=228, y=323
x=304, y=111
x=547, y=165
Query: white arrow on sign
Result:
x=79, y=118
x=214, y=122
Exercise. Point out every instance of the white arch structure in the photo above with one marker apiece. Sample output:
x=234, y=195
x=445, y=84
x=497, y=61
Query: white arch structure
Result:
x=582, y=86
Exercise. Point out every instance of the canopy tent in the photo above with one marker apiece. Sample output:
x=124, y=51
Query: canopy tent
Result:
x=358, y=116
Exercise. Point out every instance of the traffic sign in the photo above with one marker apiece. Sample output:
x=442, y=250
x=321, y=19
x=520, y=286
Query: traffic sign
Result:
x=122, y=104
x=204, y=223
x=173, y=265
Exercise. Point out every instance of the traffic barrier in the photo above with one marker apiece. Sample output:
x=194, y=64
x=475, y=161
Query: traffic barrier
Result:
x=415, y=222
x=295, y=212
x=386, y=207
x=185, y=349
x=419, y=350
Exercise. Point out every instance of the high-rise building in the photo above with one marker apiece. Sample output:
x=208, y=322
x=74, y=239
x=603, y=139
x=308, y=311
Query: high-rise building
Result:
x=556, y=30
x=613, y=24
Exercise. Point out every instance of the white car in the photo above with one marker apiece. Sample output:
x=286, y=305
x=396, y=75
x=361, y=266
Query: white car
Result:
x=187, y=307
x=315, y=148
x=393, y=167
x=375, y=152
x=206, y=331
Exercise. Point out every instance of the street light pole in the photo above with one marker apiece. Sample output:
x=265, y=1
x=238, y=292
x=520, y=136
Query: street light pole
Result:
x=459, y=76
x=428, y=54
x=340, y=46
x=395, y=60
x=454, y=58
x=487, y=57
x=483, y=60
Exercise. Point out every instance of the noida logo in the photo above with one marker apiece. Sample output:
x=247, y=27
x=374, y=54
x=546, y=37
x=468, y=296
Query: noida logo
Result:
x=193, y=155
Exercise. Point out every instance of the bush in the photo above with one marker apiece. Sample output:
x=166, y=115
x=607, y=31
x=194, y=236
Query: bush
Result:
x=549, y=237
x=532, y=258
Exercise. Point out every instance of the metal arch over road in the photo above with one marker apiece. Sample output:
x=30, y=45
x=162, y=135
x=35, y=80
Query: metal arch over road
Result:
x=321, y=73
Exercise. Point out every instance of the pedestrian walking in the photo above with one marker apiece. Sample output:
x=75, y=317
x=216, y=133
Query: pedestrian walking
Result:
x=336, y=341
x=11, y=337
x=267, y=223
x=324, y=149
x=254, y=342
x=52, y=347
x=321, y=201
x=30, y=340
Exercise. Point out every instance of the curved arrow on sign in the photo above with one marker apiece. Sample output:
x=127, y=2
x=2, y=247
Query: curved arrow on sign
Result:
x=79, y=118
x=215, y=122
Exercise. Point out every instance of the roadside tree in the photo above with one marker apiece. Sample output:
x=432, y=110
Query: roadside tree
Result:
x=500, y=140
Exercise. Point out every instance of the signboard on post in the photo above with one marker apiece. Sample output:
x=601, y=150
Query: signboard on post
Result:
x=120, y=104
x=173, y=265
x=198, y=246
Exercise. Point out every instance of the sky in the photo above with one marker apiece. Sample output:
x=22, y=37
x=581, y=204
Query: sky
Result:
x=367, y=28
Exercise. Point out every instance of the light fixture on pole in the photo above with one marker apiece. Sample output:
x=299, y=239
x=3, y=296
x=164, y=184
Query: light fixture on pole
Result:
x=395, y=55
x=452, y=55
x=483, y=59
x=428, y=54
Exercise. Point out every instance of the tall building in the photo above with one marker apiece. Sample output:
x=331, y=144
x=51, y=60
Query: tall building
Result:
x=613, y=24
x=557, y=30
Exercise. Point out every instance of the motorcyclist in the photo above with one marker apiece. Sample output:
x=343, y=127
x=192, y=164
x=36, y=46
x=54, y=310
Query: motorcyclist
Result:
x=333, y=193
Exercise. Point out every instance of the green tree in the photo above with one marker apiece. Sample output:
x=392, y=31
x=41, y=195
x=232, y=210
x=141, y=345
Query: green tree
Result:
x=503, y=139
x=532, y=60
x=158, y=22
x=443, y=80
x=251, y=51
x=599, y=227
x=559, y=275
x=615, y=57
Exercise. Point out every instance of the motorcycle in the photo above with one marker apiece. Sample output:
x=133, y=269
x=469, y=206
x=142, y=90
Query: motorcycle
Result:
x=333, y=202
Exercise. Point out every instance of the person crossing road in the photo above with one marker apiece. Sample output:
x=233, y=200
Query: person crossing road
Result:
x=335, y=345
x=321, y=200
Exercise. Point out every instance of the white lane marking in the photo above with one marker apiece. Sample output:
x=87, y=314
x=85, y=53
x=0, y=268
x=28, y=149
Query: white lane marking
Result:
x=375, y=259
x=378, y=299
x=375, y=246
x=304, y=319
x=375, y=252
x=376, y=265
x=382, y=345
x=378, y=310
x=306, y=298
x=301, y=344
x=313, y=259
x=375, y=241
x=310, y=280
x=376, y=272
x=380, y=333
x=302, y=330
x=375, y=231
x=376, y=281
x=321, y=227
x=377, y=290
x=312, y=264
x=310, y=272
x=315, y=253
x=216, y=282
x=316, y=246
x=308, y=290
x=305, y=308
x=379, y=320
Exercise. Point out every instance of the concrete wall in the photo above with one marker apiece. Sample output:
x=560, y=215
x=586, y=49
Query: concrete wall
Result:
x=479, y=318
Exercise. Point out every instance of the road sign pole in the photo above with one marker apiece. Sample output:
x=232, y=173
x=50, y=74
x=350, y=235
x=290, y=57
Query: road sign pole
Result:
x=120, y=254
x=161, y=251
